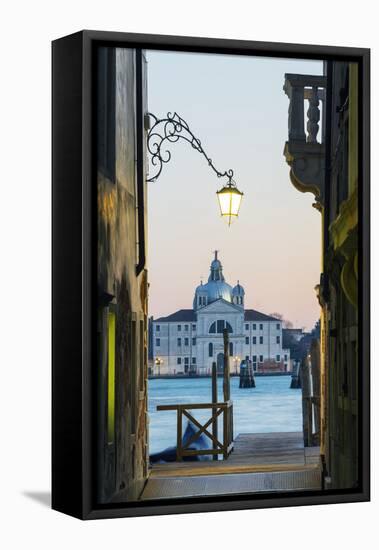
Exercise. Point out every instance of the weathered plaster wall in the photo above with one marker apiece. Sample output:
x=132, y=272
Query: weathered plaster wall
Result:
x=342, y=420
x=122, y=464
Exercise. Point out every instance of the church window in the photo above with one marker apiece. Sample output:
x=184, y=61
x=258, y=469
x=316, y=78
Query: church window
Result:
x=219, y=326
x=179, y=341
x=261, y=339
x=254, y=339
x=210, y=349
x=157, y=342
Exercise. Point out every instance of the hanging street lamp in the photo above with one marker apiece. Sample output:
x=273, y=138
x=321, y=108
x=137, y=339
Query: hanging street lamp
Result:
x=172, y=129
x=229, y=198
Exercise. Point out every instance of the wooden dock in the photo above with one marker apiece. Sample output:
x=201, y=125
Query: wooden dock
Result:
x=259, y=462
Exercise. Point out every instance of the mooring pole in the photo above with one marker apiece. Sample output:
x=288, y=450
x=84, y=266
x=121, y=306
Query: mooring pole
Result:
x=315, y=373
x=226, y=384
x=305, y=380
x=214, y=400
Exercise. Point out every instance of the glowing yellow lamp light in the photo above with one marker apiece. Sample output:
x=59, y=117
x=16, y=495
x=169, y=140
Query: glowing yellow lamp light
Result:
x=229, y=198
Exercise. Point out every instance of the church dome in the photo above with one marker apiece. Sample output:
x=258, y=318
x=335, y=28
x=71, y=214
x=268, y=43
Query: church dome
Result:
x=218, y=289
x=238, y=295
x=238, y=290
x=215, y=289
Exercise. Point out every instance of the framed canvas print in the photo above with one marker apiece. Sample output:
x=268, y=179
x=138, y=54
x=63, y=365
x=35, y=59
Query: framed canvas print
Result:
x=210, y=274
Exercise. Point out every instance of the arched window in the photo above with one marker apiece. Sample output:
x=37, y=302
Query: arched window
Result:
x=210, y=349
x=219, y=326
x=202, y=300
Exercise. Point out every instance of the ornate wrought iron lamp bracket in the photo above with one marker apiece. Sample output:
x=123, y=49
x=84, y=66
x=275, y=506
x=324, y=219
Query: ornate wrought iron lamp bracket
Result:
x=170, y=130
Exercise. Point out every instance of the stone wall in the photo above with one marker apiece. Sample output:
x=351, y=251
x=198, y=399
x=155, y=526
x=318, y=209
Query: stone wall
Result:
x=122, y=459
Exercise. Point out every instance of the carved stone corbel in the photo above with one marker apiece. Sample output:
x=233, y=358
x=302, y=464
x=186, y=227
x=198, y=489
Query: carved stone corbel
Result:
x=307, y=172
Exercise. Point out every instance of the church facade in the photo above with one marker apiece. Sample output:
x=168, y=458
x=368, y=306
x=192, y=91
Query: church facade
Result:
x=188, y=341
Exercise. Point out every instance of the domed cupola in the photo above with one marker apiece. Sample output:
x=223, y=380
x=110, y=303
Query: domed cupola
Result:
x=216, y=270
x=215, y=289
x=201, y=297
x=238, y=295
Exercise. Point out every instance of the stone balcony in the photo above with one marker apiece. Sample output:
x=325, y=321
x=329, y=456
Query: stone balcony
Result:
x=305, y=150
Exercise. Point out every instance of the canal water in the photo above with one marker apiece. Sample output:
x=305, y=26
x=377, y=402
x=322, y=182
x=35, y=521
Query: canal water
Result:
x=270, y=407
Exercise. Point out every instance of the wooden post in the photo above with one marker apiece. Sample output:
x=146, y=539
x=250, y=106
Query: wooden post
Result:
x=225, y=435
x=306, y=400
x=315, y=372
x=179, y=442
x=247, y=379
x=226, y=384
x=214, y=400
x=252, y=374
x=295, y=377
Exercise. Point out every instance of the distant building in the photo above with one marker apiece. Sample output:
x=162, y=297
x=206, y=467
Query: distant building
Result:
x=295, y=334
x=190, y=340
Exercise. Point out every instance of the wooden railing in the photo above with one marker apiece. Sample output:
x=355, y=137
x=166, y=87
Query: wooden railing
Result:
x=223, y=447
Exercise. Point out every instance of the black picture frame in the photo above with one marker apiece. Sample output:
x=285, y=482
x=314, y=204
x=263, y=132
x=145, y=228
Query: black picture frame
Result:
x=74, y=273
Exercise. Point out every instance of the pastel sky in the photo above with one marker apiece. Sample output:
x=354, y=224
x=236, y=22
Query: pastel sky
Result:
x=237, y=108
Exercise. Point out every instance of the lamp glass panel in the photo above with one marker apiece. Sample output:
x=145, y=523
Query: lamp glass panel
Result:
x=235, y=203
x=230, y=201
x=224, y=200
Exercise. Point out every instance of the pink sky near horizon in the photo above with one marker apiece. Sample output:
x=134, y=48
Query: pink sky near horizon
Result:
x=237, y=107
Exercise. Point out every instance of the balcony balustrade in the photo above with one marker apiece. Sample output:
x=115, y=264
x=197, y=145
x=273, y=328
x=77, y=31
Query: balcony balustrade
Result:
x=305, y=150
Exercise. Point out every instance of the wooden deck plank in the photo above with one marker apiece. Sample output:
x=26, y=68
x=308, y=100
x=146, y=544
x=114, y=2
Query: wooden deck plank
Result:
x=262, y=452
x=179, y=487
x=259, y=463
